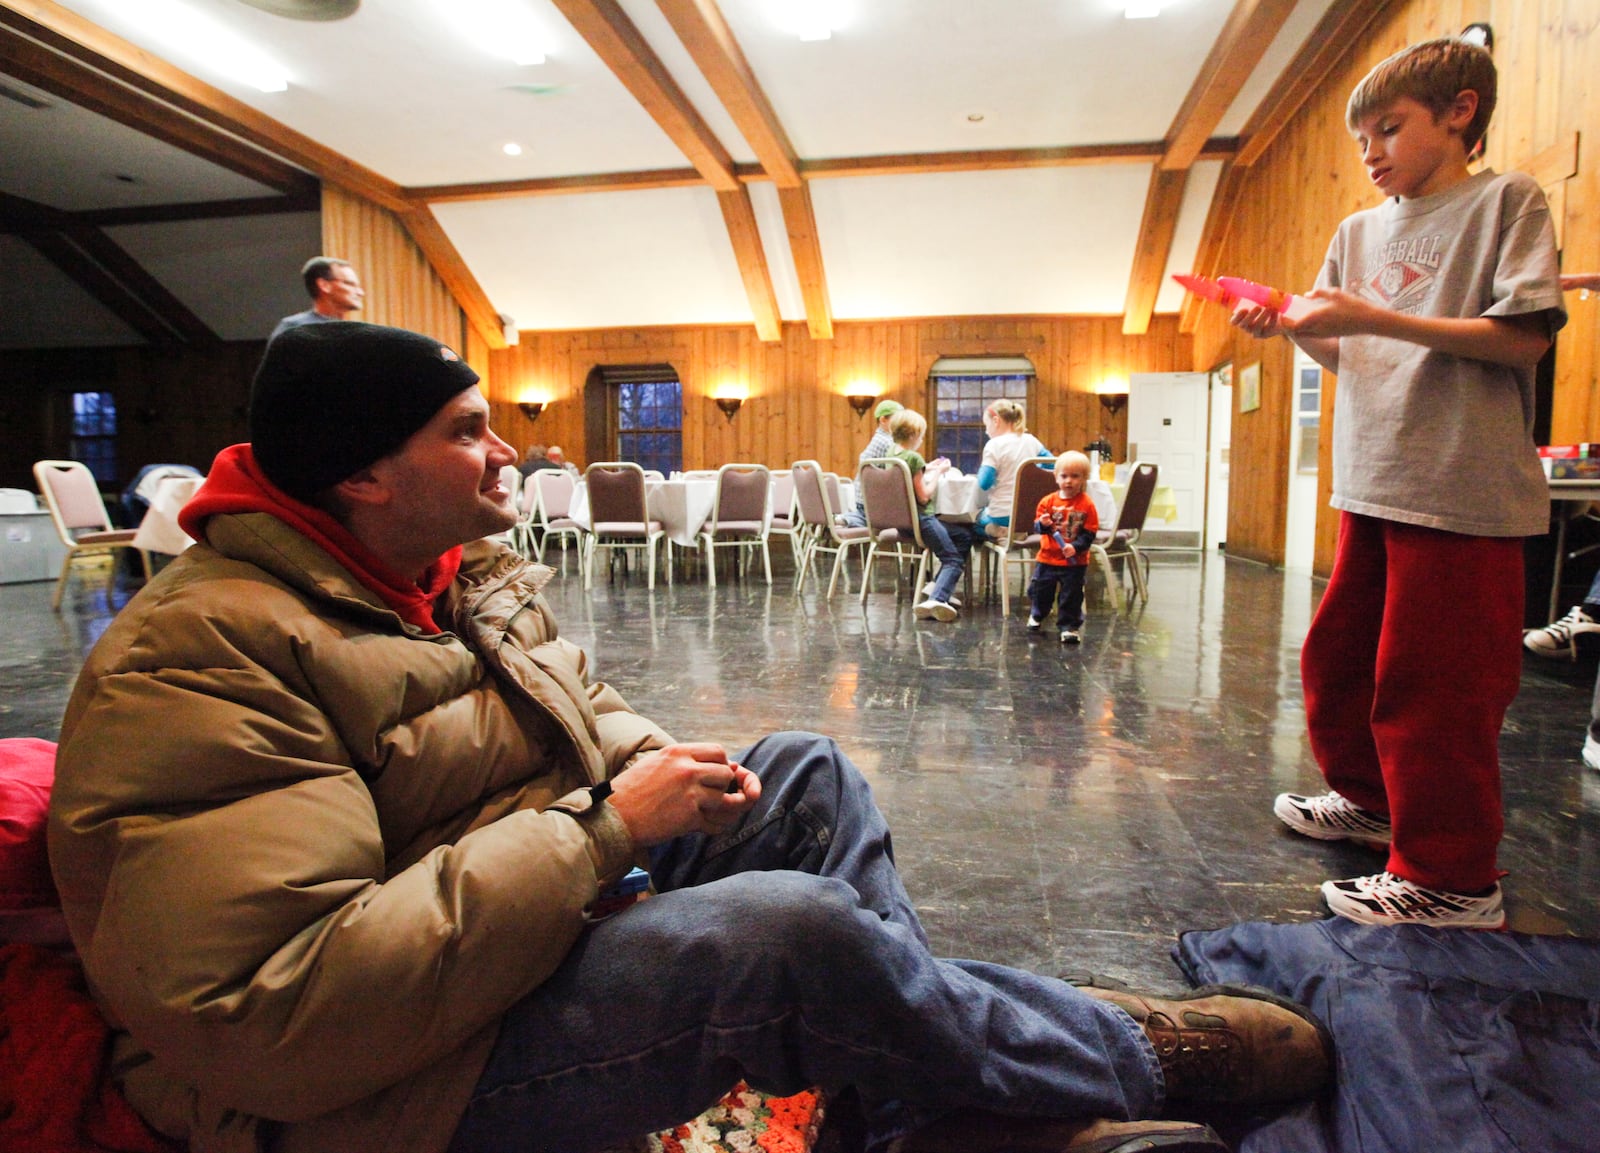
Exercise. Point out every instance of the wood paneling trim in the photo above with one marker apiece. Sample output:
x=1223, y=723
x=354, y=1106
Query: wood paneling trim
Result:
x=429, y=236
x=647, y=180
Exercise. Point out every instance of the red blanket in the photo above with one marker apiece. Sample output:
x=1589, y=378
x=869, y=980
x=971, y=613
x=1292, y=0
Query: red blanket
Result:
x=54, y=1097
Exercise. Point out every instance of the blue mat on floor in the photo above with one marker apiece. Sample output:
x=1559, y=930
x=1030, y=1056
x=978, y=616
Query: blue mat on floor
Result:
x=1446, y=1039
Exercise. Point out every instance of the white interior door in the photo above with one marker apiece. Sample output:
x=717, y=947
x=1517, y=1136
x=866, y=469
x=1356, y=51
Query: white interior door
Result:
x=1217, y=469
x=1168, y=416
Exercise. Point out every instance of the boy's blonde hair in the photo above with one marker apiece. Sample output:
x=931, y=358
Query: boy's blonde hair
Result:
x=1012, y=412
x=1433, y=74
x=1072, y=459
x=907, y=426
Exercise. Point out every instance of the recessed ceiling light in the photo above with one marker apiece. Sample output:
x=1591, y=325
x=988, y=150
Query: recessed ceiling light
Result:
x=512, y=149
x=1142, y=9
x=212, y=46
x=974, y=118
x=810, y=19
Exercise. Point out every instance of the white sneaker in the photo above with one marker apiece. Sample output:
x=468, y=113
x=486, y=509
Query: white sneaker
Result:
x=931, y=609
x=1591, y=753
x=1385, y=899
x=1330, y=817
x=1070, y=636
x=1561, y=638
x=1033, y=624
x=927, y=592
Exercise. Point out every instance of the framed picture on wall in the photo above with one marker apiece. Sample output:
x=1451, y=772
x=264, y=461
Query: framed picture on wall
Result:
x=1250, y=387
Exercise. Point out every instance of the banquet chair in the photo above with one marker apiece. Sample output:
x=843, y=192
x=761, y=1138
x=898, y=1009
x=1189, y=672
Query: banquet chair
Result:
x=618, y=519
x=818, y=523
x=550, y=510
x=741, y=514
x=527, y=506
x=1021, y=544
x=1122, y=540
x=893, y=527
x=785, y=522
x=79, y=512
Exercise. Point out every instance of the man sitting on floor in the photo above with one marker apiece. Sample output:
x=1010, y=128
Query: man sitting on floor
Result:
x=334, y=801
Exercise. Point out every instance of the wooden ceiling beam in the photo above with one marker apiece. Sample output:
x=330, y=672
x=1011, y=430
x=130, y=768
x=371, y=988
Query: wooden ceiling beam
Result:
x=105, y=270
x=76, y=82
x=646, y=180
x=1219, y=217
x=1244, y=40
x=1341, y=28
x=1161, y=206
x=429, y=236
x=202, y=210
x=700, y=25
x=623, y=49
x=801, y=223
x=739, y=215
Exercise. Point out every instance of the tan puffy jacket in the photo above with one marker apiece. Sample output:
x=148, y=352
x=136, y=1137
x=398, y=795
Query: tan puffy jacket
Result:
x=310, y=855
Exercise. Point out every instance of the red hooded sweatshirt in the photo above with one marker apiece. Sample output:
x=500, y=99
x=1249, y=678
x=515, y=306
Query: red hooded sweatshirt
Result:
x=237, y=484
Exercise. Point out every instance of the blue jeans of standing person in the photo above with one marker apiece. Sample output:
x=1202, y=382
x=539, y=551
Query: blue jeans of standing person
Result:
x=950, y=543
x=786, y=952
x=1061, y=584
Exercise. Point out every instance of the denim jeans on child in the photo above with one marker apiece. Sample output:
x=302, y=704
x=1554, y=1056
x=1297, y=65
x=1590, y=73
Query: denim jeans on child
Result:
x=787, y=952
x=1061, y=584
x=950, y=543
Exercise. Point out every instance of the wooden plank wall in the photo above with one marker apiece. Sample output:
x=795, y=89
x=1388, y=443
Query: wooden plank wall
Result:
x=796, y=387
x=1548, y=53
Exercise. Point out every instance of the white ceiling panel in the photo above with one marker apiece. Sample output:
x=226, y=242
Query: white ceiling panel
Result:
x=1018, y=241
x=906, y=75
x=606, y=259
x=240, y=276
x=40, y=308
x=108, y=165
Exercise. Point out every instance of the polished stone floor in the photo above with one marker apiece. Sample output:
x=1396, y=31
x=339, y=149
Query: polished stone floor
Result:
x=1058, y=808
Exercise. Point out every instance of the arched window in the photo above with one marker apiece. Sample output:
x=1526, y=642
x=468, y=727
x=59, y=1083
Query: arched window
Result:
x=635, y=412
x=960, y=389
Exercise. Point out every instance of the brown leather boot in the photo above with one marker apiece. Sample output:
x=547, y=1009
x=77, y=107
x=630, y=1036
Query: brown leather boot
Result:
x=976, y=1131
x=1231, y=1044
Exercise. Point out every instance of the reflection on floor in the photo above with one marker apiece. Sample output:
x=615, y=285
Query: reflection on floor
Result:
x=1054, y=807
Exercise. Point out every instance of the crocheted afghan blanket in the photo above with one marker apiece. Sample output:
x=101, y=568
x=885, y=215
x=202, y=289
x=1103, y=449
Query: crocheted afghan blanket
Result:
x=746, y=1120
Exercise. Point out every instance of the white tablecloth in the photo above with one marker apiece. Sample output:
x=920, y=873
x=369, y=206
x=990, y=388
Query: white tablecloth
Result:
x=159, y=531
x=956, y=498
x=681, y=506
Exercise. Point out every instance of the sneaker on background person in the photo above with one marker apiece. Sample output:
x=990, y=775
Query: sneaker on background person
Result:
x=931, y=609
x=1385, y=899
x=1331, y=817
x=1034, y=624
x=1591, y=753
x=1561, y=638
x=1070, y=636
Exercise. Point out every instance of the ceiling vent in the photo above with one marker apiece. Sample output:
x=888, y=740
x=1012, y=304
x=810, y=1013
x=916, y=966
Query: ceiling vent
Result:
x=307, y=9
x=26, y=99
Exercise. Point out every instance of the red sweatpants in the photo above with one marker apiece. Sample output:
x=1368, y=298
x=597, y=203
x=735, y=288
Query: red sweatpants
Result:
x=1411, y=661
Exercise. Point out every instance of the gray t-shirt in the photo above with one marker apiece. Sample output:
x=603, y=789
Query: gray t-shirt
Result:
x=309, y=316
x=1424, y=437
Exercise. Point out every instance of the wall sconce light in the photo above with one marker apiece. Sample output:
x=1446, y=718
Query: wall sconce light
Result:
x=1112, y=402
x=729, y=405
x=531, y=408
x=861, y=402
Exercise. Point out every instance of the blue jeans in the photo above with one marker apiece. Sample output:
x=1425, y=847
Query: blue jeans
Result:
x=949, y=543
x=786, y=951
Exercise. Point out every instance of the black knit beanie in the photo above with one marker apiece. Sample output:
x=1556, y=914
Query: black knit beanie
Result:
x=330, y=399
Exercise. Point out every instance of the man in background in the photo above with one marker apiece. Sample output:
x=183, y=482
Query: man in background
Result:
x=335, y=292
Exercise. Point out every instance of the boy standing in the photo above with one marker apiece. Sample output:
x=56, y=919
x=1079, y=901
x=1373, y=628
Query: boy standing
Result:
x=1067, y=521
x=1437, y=305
